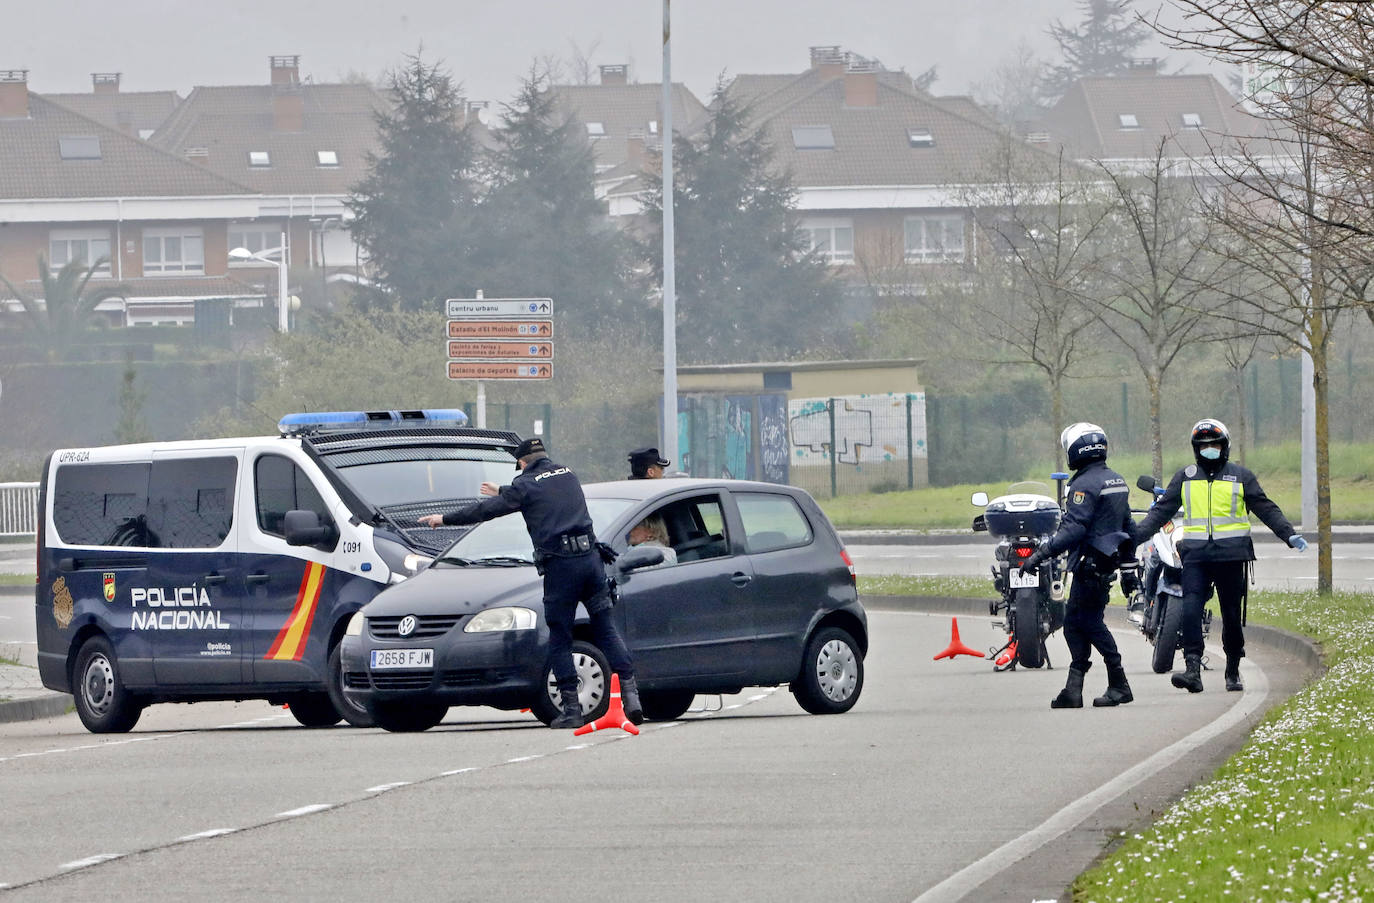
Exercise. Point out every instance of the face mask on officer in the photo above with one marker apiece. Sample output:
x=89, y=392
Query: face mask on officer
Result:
x=1210, y=452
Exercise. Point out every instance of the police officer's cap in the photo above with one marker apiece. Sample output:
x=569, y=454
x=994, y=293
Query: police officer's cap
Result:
x=532, y=445
x=647, y=457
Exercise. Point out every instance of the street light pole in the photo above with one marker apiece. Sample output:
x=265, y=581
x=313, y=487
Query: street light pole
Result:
x=670, y=437
x=282, y=320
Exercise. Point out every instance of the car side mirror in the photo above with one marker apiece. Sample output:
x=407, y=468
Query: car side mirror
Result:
x=980, y=498
x=303, y=528
x=980, y=524
x=639, y=557
x=1145, y=482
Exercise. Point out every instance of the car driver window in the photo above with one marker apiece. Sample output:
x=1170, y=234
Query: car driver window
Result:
x=696, y=528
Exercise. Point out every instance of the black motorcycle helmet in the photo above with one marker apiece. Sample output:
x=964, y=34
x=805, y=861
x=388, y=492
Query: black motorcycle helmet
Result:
x=1205, y=432
x=1084, y=443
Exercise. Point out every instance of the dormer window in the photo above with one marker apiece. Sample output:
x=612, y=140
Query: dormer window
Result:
x=79, y=148
x=1128, y=121
x=813, y=137
x=596, y=130
x=920, y=137
x=1192, y=121
x=327, y=158
x=259, y=159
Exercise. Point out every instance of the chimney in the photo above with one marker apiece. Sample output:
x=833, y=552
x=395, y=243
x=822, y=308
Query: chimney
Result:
x=105, y=82
x=861, y=83
x=828, y=60
x=14, y=94
x=286, y=70
x=634, y=148
x=615, y=75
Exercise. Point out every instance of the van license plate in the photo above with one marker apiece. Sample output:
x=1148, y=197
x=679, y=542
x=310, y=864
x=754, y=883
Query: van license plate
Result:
x=1019, y=580
x=383, y=659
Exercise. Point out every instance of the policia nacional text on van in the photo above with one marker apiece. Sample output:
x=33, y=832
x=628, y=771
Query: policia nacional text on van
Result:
x=1216, y=550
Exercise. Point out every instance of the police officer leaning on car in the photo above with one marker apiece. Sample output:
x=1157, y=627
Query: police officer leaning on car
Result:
x=1095, y=532
x=1215, y=547
x=550, y=499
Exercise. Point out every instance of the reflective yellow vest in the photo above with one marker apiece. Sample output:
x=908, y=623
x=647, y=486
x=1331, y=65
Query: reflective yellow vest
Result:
x=1214, y=509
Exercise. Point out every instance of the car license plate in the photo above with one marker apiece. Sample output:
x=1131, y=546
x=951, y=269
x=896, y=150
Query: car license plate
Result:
x=383, y=659
x=1019, y=580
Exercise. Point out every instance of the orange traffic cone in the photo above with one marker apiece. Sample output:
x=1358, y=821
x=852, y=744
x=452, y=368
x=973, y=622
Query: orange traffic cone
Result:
x=956, y=646
x=1008, y=655
x=614, y=717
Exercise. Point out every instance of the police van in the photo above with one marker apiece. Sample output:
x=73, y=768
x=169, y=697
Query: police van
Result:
x=228, y=569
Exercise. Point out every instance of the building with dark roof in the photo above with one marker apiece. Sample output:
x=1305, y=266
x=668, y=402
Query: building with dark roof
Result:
x=137, y=113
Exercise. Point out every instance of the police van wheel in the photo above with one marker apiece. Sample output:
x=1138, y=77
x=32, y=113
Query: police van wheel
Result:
x=593, y=686
x=832, y=673
x=102, y=702
x=314, y=710
x=665, y=705
x=1166, y=638
x=407, y=717
x=354, y=713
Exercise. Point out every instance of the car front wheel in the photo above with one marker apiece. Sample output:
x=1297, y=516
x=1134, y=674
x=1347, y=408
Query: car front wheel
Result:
x=593, y=686
x=354, y=713
x=832, y=673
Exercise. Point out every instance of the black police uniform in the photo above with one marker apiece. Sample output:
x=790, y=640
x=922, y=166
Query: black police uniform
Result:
x=1214, y=559
x=550, y=499
x=641, y=459
x=1096, y=523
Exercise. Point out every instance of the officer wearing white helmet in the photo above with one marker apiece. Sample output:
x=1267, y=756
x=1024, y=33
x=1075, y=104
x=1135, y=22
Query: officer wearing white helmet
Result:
x=1095, y=531
x=1216, y=497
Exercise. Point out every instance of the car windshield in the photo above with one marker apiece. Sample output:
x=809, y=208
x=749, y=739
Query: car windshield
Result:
x=387, y=483
x=506, y=537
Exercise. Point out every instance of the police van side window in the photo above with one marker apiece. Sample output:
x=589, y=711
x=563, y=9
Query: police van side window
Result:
x=101, y=504
x=281, y=486
x=191, y=501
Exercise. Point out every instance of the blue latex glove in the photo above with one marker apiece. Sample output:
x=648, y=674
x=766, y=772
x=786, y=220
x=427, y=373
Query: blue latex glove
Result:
x=1297, y=542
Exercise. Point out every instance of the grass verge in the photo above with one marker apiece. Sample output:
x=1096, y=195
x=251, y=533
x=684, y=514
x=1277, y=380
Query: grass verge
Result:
x=16, y=579
x=971, y=587
x=1290, y=816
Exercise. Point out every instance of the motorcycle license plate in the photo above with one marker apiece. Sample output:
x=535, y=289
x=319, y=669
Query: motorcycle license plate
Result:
x=1024, y=579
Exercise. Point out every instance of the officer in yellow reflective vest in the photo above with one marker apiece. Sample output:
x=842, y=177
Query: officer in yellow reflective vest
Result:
x=1216, y=497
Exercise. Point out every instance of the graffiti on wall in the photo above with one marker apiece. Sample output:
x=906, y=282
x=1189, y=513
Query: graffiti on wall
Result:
x=867, y=428
x=734, y=436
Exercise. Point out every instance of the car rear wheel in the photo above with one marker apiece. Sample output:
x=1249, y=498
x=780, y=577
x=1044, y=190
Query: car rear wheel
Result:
x=665, y=705
x=103, y=703
x=593, y=686
x=832, y=673
x=354, y=713
x=313, y=710
x=407, y=717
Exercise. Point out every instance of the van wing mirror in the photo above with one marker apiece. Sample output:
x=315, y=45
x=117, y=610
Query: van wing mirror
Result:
x=639, y=557
x=303, y=528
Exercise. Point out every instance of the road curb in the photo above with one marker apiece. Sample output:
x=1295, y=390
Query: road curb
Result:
x=46, y=705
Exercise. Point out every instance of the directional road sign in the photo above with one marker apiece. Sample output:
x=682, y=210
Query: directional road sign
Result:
x=499, y=307
x=495, y=329
x=499, y=370
x=500, y=350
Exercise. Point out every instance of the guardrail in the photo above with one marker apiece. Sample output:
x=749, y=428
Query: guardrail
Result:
x=18, y=509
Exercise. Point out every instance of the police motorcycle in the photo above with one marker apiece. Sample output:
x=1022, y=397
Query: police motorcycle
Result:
x=1031, y=602
x=1156, y=605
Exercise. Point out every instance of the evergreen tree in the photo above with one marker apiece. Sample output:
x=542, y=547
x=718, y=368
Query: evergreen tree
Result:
x=748, y=287
x=414, y=208
x=544, y=232
x=1102, y=44
x=131, y=426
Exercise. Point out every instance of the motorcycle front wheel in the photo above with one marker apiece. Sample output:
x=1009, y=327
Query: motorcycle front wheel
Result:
x=1167, y=637
x=1030, y=646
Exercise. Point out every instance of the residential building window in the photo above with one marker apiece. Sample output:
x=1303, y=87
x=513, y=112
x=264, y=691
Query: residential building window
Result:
x=1192, y=121
x=327, y=158
x=653, y=126
x=259, y=159
x=1128, y=121
x=84, y=245
x=84, y=147
x=255, y=237
x=813, y=137
x=173, y=251
x=934, y=238
x=832, y=239
x=596, y=130
x=920, y=137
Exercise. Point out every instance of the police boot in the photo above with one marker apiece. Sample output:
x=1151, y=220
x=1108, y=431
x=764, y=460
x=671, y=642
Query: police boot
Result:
x=1071, y=697
x=1233, y=674
x=571, y=716
x=629, y=699
x=1191, y=679
x=1118, y=690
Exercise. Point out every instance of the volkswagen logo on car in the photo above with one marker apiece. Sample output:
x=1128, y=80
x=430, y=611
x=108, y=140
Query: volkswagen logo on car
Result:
x=406, y=627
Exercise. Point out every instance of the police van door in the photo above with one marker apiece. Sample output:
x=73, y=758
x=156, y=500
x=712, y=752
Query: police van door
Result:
x=191, y=605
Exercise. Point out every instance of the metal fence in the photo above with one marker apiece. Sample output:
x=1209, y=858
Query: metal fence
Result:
x=18, y=509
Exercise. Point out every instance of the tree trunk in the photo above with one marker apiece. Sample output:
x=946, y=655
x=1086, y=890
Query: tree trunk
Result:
x=1239, y=384
x=1153, y=381
x=1321, y=391
x=1057, y=423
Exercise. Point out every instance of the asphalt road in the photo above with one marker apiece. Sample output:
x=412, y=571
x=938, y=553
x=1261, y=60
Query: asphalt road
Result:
x=947, y=781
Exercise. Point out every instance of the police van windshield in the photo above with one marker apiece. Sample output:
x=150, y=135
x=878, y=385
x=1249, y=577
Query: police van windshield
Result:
x=387, y=483
x=506, y=537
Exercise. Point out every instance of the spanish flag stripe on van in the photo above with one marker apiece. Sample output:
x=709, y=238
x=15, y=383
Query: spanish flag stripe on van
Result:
x=290, y=642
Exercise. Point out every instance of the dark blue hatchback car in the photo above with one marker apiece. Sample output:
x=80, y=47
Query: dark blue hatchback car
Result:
x=757, y=590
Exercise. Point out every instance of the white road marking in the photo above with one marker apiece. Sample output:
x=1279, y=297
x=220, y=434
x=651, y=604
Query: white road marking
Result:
x=524, y=759
x=382, y=788
x=90, y=860
x=445, y=774
x=67, y=749
x=304, y=810
x=201, y=835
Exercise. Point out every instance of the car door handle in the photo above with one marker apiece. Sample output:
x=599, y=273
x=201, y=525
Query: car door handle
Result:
x=214, y=579
x=255, y=579
x=739, y=578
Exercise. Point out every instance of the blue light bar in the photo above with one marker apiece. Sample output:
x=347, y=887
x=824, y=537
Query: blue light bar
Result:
x=325, y=421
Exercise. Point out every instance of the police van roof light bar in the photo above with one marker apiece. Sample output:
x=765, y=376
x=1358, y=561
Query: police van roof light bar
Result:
x=327, y=421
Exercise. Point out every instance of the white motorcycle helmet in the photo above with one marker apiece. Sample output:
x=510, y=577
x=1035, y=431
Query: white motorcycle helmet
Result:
x=1084, y=443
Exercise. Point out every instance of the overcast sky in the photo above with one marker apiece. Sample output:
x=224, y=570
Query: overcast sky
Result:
x=489, y=45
